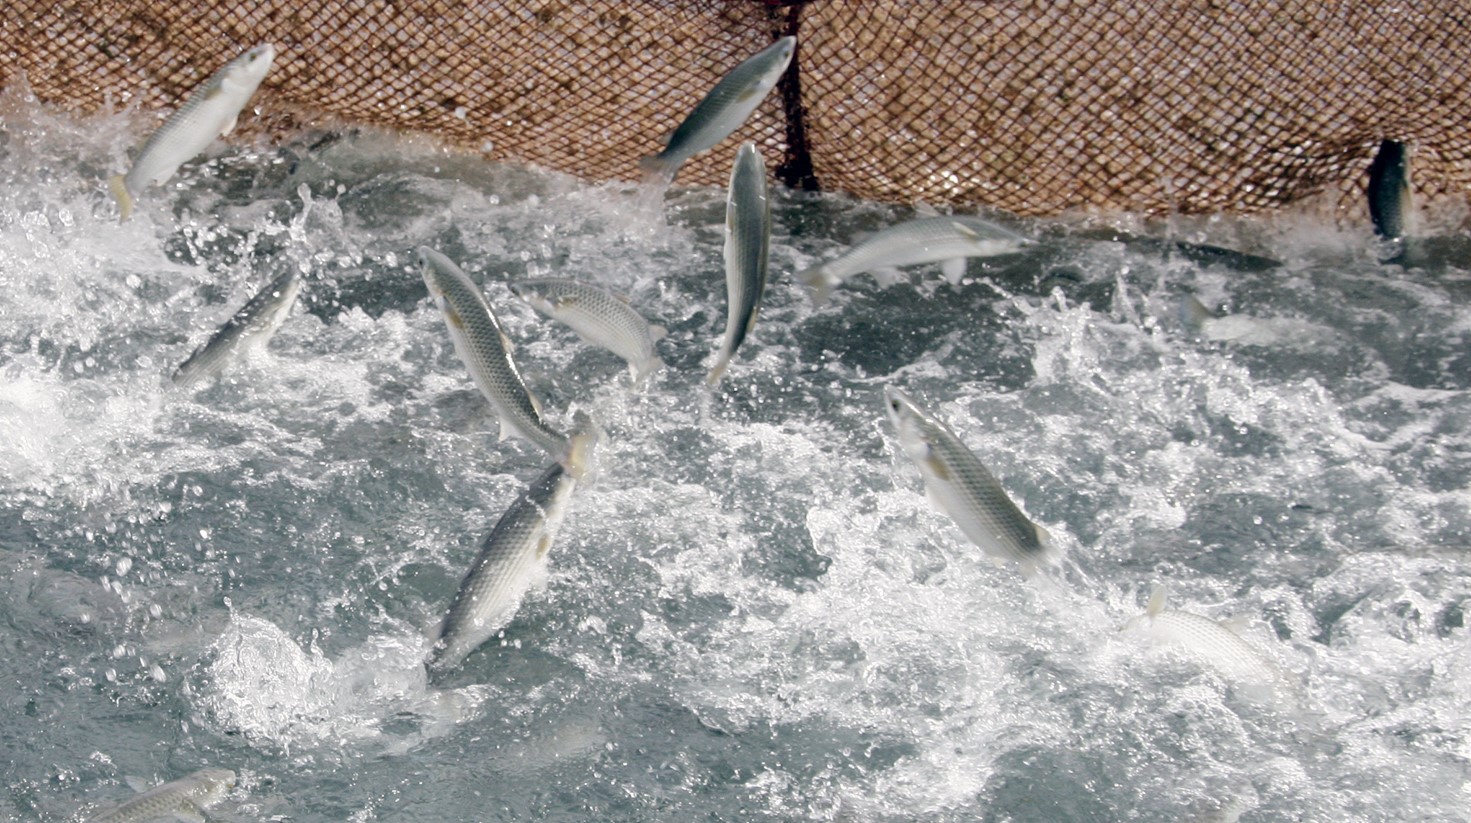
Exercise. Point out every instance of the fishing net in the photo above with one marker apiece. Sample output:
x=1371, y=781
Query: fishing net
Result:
x=1032, y=106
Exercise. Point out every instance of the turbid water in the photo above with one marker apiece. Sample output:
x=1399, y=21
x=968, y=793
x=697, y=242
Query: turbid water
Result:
x=752, y=611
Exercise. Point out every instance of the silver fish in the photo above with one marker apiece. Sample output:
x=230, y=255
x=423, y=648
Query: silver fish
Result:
x=1389, y=190
x=486, y=352
x=252, y=326
x=598, y=317
x=961, y=487
x=210, y=111
x=722, y=110
x=1210, y=641
x=950, y=238
x=510, y=557
x=747, y=249
x=182, y=799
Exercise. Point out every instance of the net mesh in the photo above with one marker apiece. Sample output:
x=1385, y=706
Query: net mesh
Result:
x=1033, y=106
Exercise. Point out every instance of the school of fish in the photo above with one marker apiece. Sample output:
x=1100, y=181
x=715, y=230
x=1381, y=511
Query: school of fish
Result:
x=516, y=549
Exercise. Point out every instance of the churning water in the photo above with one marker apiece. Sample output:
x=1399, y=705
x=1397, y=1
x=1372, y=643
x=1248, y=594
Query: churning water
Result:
x=753, y=612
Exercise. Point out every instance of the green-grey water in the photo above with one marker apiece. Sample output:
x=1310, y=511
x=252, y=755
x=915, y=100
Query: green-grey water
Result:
x=752, y=612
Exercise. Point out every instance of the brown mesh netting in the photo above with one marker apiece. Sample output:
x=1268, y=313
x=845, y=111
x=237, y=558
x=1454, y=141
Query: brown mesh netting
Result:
x=1034, y=107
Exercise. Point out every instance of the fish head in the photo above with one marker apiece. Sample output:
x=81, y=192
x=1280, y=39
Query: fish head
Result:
x=908, y=419
x=582, y=445
x=783, y=49
x=211, y=785
x=251, y=67
x=535, y=295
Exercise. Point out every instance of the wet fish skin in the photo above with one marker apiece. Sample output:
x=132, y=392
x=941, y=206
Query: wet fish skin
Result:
x=253, y=325
x=961, y=487
x=510, y=556
x=210, y=112
x=1210, y=641
x=921, y=240
x=185, y=798
x=486, y=351
x=747, y=250
x=722, y=110
x=1389, y=190
x=599, y=317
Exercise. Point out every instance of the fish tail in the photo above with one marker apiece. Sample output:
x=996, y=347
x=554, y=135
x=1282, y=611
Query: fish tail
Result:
x=718, y=370
x=819, y=285
x=658, y=170
x=578, y=457
x=120, y=193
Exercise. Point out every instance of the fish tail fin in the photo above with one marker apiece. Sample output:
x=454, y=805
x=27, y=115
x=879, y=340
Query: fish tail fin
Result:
x=718, y=370
x=1157, y=597
x=578, y=458
x=645, y=370
x=818, y=283
x=658, y=170
x=120, y=193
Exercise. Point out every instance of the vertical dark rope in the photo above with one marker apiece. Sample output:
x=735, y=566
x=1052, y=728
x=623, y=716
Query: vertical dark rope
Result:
x=795, y=169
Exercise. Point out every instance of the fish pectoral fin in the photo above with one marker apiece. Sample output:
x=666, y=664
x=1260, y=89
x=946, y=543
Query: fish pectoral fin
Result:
x=965, y=231
x=657, y=333
x=543, y=545
x=1157, y=597
x=535, y=403
x=188, y=816
x=953, y=269
x=230, y=124
x=924, y=209
x=505, y=427
x=887, y=275
x=136, y=783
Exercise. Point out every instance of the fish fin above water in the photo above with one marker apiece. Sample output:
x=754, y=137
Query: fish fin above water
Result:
x=818, y=282
x=965, y=231
x=886, y=275
x=658, y=170
x=1157, y=597
x=953, y=269
x=188, y=815
x=657, y=333
x=124, y=198
x=642, y=372
x=718, y=370
x=924, y=209
x=230, y=124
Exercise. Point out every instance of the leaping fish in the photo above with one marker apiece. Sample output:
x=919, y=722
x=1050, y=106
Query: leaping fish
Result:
x=250, y=327
x=182, y=799
x=947, y=238
x=510, y=557
x=1210, y=641
x=1389, y=189
x=961, y=487
x=598, y=317
x=747, y=249
x=722, y=110
x=486, y=352
x=210, y=112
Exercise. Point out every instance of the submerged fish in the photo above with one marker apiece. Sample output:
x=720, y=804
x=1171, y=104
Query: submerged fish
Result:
x=1389, y=190
x=252, y=326
x=486, y=351
x=961, y=487
x=210, y=112
x=747, y=249
x=510, y=557
x=722, y=110
x=182, y=799
x=947, y=238
x=598, y=317
x=1210, y=641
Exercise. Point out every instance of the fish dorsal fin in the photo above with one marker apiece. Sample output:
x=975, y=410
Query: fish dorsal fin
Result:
x=136, y=783
x=924, y=209
x=1157, y=597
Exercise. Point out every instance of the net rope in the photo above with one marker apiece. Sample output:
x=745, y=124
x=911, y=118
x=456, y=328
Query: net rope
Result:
x=1032, y=106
